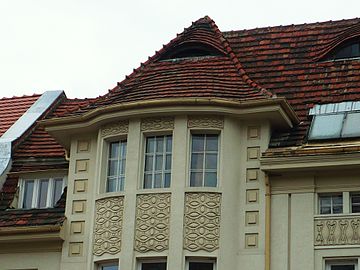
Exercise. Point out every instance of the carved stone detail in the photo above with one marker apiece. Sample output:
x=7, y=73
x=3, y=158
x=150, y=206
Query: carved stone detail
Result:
x=108, y=225
x=120, y=127
x=205, y=122
x=152, y=222
x=157, y=123
x=337, y=231
x=202, y=221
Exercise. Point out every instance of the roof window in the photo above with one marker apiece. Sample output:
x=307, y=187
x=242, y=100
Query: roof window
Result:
x=335, y=121
x=349, y=49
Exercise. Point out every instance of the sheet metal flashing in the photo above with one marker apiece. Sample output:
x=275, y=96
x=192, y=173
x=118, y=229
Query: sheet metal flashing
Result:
x=347, y=106
x=22, y=125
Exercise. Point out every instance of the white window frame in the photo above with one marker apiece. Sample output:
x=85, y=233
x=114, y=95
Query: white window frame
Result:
x=112, y=263
x=328, y=194
x=108, y=145
x=200, y=260
x=204, y=170
x=350, y=201
x=36, y=189
x=163, y=171
x=329, y=263
x=150, y=260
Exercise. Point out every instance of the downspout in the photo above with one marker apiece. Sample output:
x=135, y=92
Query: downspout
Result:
x=20, y=127
x=267, y=221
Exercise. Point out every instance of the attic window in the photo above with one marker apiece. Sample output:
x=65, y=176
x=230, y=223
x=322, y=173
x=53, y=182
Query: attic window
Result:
x=335, y=121
x=189, y=50
x=350, y=49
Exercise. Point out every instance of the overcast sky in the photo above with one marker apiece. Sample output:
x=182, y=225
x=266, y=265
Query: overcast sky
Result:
x=85, y=46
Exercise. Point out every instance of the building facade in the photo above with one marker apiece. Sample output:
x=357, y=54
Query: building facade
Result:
x=225, y=150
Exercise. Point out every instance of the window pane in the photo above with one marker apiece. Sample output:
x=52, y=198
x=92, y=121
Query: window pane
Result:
x=351, y=126
x=196, y=179
x=109, y=267
x=123, y=149
x=113, y=167
x=159, y=144
x=114, y=150
x=158, y=163
x=197, y=143
x=28, y=194
x=197, y=161
x=122, y=166
x=43, y=192
x=325, y=210
x=326, y=126
x=148, y=181
x=343, y=267
x=211, y=142
x=158, y=178
x=210, y=179
x=111, y=184
x=58, y=183
x=168, y=143
x=211, y=161
x=121, y=184
x=167, y=180
x=200, y=266
x=337, y=199
x=355, y=198
x=150, y=143
x=149, y=163
x=153, y=266
x=337, y=209
x=168, y=162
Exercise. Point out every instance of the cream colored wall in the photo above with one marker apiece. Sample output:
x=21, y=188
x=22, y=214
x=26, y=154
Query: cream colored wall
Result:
x=38, y=261
x=237, y=244
x=293, y=208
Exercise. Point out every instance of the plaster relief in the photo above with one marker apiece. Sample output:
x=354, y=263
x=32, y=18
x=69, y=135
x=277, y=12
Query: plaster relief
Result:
x=337, y=231
x=205, y=122
x=157, y=123
x=202, y=221
x=120, y=127
x=152, y=222
x=108, y=225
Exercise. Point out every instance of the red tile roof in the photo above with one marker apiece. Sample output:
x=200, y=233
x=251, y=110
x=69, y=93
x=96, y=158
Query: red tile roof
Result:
x=12, y=108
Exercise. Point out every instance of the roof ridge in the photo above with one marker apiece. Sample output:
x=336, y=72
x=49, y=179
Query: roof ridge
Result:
x=237, y=62
x=23, y=96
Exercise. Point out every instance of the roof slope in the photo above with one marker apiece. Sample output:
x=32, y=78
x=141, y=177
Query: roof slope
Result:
x=213, y=76
x=11, y=109
x=285, y=60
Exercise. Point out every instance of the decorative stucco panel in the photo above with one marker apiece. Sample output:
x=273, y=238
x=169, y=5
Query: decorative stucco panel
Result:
x=108, y=225
x=202, y=221
x=337, y=231
x=205, y=122
x=152, y=222
x=157, y=123
x=120, y=127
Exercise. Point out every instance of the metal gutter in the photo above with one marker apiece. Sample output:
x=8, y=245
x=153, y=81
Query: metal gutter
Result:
x=21, y=126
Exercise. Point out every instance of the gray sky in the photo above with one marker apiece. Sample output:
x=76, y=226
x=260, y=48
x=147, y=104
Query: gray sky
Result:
x=85, y=46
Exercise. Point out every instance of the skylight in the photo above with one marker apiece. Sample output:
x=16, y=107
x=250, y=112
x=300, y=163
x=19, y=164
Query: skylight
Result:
x=350, y=49
x=335, y=121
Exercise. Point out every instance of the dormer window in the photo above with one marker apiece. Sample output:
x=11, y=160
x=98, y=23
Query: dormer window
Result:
x=349, y=49
x=40, y=193
x=335, y=121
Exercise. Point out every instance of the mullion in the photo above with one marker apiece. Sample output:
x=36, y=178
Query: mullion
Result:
x=204, y=158
x=163, y=162
x=154, y=162
x=118, y=168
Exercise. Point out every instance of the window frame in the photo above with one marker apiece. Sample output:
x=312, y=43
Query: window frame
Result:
x=99, y=266
x=107, y=159
x=352, y=194
x=164, y=154
x=203, y=169
x=50, y=203
x=200, y=260
x=334, y=262
x=140, y=261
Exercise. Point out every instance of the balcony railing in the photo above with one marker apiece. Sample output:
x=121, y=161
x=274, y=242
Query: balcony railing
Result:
x=339, y=230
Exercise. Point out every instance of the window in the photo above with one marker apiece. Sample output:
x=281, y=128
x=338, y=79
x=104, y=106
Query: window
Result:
x=40, y=193
x=355, y=202
x=350, y=49
x=108, y=266
x=116, y=166
x=153, y=266
x=157, y=172
x=334, y=121
x=341, y=265
x=204, y=160
x=201, y=264
x=330, y=203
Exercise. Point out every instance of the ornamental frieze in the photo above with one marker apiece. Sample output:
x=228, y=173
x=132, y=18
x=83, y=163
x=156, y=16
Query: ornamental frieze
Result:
x=206, y=122
x=120, y=127
x=157, y=123
x=152, y=222
x=108, y=225
x=202, y=221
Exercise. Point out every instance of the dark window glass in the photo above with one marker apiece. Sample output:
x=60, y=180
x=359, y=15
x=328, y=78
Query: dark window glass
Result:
x=109, y=267
x=28, y=194
x=331, y=204
x=201, y=265
x=116, y=166
x=342, y=267
x=355, y=203
x=153, y=266
x=58, y=183
x=350, y=49
x=43, y=192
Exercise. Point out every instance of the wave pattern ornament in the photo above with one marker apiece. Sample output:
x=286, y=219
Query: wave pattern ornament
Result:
x=108, y=225
x=157, y=123
x=337, y=231
x=202, y=221
x=120, y=127
x=152, y=222
x=205, y=122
